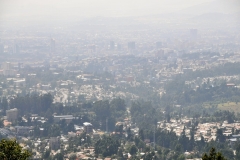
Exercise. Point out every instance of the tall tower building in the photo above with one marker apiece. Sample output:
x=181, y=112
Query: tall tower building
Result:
x=158, y=44
x=6, y=66
x=12, y=114
x=193, y=34
x=131, y=45
x=15, y=48
x=54, y=143
x=52, y=46
x=1, y=48
x=119, y=46
x=112, y=45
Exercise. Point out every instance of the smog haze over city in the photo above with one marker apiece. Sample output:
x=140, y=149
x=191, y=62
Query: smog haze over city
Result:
x=129, y=79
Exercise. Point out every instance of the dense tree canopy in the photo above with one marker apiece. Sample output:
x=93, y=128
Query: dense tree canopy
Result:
x=11, y=150
x=107, y=146
x=213, y=155
x=32, y=104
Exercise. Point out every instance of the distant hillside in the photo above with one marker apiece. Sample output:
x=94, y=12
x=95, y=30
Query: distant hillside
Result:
x=215, y=17
x=217, y=6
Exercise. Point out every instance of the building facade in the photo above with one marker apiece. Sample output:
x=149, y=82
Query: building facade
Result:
x=12, y=114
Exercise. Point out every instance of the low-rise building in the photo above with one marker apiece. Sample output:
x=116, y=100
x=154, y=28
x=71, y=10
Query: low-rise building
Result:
x=68, y=118
x=22, y=130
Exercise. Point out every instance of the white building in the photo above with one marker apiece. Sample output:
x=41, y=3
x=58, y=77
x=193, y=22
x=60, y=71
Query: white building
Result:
x=88, y=127
x=68, y=118
x=20, y=83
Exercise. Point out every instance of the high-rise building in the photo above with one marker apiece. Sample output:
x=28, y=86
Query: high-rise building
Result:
x=193, y=34
x=7, y=69
x=112, y=45
x=52, y=46
x=1, y=48
x=131, y=45
x=158, y=44
x=54, y=143
x=6, y=66
x=88, y=128
x=119, y=46
x=92, y=48
x=16, y=49
x=12, y=114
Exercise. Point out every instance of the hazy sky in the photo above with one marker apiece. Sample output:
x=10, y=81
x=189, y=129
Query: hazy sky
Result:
x=86, y=8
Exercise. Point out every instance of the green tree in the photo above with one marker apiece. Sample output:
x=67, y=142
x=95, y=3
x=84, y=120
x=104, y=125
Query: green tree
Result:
x=118, y=105
x=149, y=156
x=119, y=128
x=11, y=150
x=120, y=153
x=181, y=157
x=134, y=158
x=107, y=146
x=133, y=150
x=46, y=154
x=220, y=136
x=238, y=151
x=178, y=148
x=227, y=153
x=213, y=155
x=59, y=156
x=102, y=111
x=129, y=134
x=72, y=156
x=141, y=134
x=1, y=124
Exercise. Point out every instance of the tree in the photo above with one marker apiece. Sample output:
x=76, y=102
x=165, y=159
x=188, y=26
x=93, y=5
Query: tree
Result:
x=72, y=156
x=58, y=156
x=129, y=134
x=120, y=153
x=141, y=135
x=46, y=154
x=102, y=111
x=228, y=153
x=1, y=124
x=220, y=136
x=134, y=158
x=149, y=156
x=46, y=101
x=181, y=157
x=213, y=155
x=119, y=128
x=118, y=105
x=238, y=151
x=107, y=146
x=11, y=150
x=70, y=127
x=133, y=150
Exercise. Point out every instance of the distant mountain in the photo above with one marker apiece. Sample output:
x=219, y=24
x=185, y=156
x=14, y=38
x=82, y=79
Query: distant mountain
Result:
x=213, y=17
x=229, y=21
x=216, y=6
